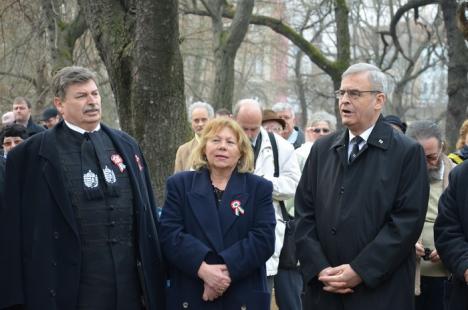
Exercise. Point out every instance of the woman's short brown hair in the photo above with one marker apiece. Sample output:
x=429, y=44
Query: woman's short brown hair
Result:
x=246, y=161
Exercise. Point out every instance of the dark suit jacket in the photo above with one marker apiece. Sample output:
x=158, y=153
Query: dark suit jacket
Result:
x=193, y=230
x=368, y=214
x=451, y=234
x=40, y=255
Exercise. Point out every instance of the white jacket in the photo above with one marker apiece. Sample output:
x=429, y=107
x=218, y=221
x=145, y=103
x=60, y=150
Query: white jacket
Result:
x=284, y=186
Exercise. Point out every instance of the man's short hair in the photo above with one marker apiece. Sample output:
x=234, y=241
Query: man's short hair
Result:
x=282, y=106
x=14, y=130
x=424, y=129
x=322, y=116
x=68, y=76
x=21, y=100
x=200, y=104
x=377, y=78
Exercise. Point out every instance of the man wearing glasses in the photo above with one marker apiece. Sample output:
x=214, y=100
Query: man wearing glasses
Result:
x=432, y=274
x=361, y=204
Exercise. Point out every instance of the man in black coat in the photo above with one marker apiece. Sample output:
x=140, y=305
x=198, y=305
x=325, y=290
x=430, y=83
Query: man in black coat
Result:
x=361, y=204
x=451, y=235
x=79, y=229
x=22, y=111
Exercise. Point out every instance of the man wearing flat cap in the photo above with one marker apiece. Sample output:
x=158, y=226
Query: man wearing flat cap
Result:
x=50, y=117
x=85, y=234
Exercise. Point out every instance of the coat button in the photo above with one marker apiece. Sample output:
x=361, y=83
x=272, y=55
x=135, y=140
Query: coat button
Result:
x=185, y=305
x=333, y=231
x=52, y=292
x=56, y=235
x=342, y=190
x=54, y=263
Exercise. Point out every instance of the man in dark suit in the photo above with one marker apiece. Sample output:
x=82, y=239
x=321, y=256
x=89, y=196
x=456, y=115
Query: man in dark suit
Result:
x=451, y=235
x=79, y=229
x=361, y=204
x=22, y=111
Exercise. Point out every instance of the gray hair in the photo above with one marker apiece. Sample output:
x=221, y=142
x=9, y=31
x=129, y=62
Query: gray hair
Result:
x=422, y=130
x=377, y=78
x=244, y=102
x=68, y=76
x=282, y=106
x=322, y=116
x=200, y=104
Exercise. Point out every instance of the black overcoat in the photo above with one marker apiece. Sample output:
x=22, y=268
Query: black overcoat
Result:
x=40, y=256
x=451, y=234
x=368, y=214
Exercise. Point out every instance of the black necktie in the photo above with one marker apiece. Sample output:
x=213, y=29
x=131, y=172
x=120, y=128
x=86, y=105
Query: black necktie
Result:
x=355, y=151
x=96, y=166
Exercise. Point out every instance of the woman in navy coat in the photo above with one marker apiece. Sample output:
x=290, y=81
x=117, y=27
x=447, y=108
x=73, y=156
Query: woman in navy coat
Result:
x=217, y=226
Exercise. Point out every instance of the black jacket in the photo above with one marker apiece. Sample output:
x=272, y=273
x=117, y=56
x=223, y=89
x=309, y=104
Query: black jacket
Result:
x=40, y=255
x=368, y=214
x=451, y=234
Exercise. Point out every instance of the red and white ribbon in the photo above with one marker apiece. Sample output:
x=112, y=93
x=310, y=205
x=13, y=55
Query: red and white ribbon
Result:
x=236, y=207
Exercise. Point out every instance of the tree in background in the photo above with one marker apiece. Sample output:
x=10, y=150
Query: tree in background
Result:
x=138, y=42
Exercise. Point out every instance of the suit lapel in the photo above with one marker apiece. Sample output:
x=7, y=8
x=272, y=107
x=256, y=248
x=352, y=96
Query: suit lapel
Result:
x=202, y=202
x=54, y=177
x=234, y=197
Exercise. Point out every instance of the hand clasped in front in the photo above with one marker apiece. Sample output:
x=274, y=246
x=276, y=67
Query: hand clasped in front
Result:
x=340, y=280
x=216, y=280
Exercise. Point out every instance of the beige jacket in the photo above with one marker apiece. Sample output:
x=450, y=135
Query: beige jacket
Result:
x=183, y=160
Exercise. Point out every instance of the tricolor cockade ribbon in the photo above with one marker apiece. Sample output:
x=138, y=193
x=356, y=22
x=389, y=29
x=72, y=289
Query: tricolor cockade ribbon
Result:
x=236, y=207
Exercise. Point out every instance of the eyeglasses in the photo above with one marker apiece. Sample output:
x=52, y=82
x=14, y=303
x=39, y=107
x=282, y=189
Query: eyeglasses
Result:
x=318, y=130
x=354, y=94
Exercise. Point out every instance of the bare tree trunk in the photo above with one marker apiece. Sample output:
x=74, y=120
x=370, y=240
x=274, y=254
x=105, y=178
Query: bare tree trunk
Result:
x=226, y=45
x=139, y=46
x=457, y=87
x=301, y=88
x=158, y=87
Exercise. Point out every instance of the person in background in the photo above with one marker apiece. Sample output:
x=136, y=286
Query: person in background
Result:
x=396, y=123
x=223, y=112
x=271, y=122
x=22, y=111
x=218, y=226
x=199, y=113
x=248, y=113
x=50, y=117
x=78, y=229
x=320, y=124
x=432, y=272
x=11, y=136
x=361, y=204
x=291, y=132
x=8, y=118
x=461, y=153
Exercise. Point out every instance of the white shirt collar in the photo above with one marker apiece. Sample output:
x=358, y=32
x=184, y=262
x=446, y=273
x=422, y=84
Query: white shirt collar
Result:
x=365, y=135
x=81, y=130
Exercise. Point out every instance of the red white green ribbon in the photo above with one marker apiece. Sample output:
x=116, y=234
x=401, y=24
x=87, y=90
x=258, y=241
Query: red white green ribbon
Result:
x=236, y=207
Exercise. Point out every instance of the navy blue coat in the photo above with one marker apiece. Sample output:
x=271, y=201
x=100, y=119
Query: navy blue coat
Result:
x=193, y=230
x=40, y=252
x=451, y=234
x=368, y=214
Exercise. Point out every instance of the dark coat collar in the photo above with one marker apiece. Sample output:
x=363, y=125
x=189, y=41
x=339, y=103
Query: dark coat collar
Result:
x=380, y=136
x=216, y=223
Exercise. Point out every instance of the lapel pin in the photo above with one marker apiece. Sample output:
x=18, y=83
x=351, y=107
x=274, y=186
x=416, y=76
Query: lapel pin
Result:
x=380, y=141
x=236, y=207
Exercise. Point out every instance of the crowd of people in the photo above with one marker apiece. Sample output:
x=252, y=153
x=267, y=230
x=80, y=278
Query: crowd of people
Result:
x=369, y=217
